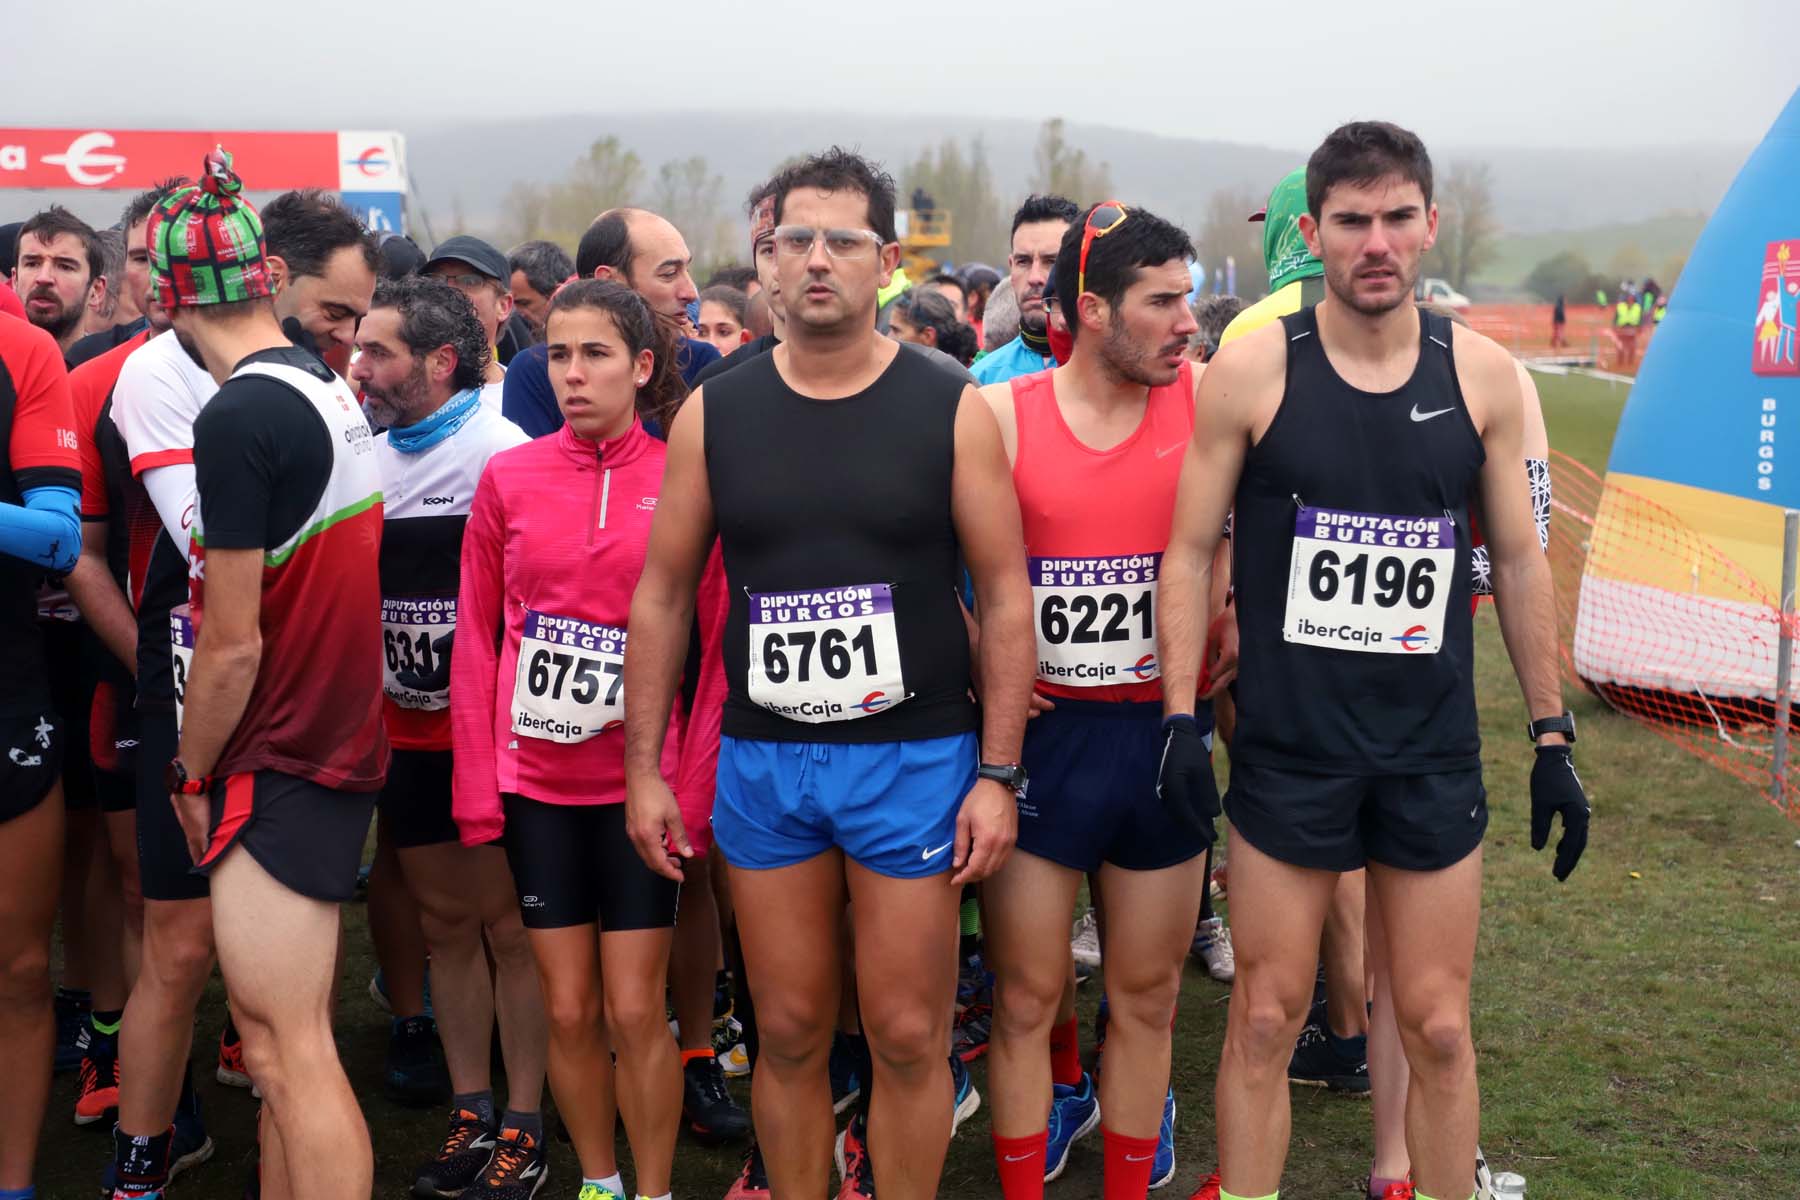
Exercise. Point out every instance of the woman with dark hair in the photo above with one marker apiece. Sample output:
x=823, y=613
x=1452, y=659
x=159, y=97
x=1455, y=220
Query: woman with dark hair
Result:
x=555, y=543
x=928, y=319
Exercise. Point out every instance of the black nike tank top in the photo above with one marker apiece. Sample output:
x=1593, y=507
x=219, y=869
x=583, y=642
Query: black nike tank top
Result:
x=841, y=556
x=1351, y=568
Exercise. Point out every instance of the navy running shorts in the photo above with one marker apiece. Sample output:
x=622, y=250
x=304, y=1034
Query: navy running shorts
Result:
x=1092, y=793
x=1343, y=822
x=889, y=806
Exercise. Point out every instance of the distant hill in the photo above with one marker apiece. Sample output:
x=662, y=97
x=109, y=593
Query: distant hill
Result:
x=1536, y=190
x=1626, y=249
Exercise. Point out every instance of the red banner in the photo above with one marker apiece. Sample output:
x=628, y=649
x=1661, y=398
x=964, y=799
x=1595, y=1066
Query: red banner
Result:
x=137, y=158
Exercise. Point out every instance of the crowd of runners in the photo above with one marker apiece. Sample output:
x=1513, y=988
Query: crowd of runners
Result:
x=802, y=678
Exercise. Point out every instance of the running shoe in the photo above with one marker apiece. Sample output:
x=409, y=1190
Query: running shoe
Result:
x=593, y=1191
x=460, y=1161
x=853, y=1162
x=728, y=1046
x=73, y=1027
x=1208, y=1189
x=97, y=1084
x=1163, y=1169
x=974, y=982
x=968, y=1100
x=1318, y=1062
x=1212, y=947
x=378, y=992
x=752, y=1182
x=190, y=1146
x=415, y=1075
x=1074, y=1113
x=712, y=1116
x=845, y=1086
x=974, y=1027
x=1085, y=944
x=723, y=1004
x=139, y=1176
x=1083, y=973
x=517, y=1170
x=231, y=1071
x=1400, y=1189
x=1484, y=1178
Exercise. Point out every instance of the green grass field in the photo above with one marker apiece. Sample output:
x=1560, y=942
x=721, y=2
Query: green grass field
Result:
x=1635, y=1025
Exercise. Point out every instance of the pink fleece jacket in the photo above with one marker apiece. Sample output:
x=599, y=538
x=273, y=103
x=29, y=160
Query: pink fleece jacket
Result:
x=559, y=528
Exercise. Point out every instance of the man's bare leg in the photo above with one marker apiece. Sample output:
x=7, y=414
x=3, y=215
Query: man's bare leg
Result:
x=31, y=863
x=1431, y=919
x=634, y=967
x=1346, y=985
x=158, y=1032
x=121, y=844
x=1277, y=914
x=1144, y=957
x=277, y=949
x=788, y=922
x=464, y=893
x=1027, y=906
x=394, y=928
x=902, y=989
x=694, y=958
x=1388, y=1072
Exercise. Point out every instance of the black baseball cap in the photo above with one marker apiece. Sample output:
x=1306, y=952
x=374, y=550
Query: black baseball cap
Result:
x=473, y=251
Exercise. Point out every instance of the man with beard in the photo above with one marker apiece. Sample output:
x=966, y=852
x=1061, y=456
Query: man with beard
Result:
x=420, y=368
x=1095, y=447
x=1037, y=235
x=1342, y=759
x=60, y=273
x=132, y=286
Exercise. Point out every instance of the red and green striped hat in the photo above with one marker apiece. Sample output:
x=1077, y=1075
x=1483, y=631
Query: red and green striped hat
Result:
x=206, y=242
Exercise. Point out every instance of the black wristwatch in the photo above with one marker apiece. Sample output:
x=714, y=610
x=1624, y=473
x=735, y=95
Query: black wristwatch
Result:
x=1011, y=774
x=1564, y=725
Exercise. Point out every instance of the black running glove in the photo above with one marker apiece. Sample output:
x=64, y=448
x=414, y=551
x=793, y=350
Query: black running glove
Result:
x=1184, y=782
x=1556, y=789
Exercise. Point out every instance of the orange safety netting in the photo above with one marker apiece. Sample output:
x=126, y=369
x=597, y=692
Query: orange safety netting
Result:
x=1665, y=628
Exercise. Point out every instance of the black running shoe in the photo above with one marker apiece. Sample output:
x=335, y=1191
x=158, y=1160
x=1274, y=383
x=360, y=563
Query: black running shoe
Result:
x=845, y=1085
x=415, y=1064
x=516, y=1172
x=712, y=1116
x=460, y=1161
x=1319, y=1062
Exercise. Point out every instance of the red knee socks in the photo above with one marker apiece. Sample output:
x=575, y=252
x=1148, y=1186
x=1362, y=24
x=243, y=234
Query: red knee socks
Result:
x=1020, y=1162
x=1128, y=1164
x=1065, y=1053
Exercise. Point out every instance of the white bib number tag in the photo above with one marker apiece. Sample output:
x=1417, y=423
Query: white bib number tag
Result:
x=181, y=651
x=1369, y=582
x=826, y=655
x=1096, y=619
x=570, y=679
x=416, y=633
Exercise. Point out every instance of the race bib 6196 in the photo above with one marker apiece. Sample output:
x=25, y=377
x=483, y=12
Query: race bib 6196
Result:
x=1369, y=582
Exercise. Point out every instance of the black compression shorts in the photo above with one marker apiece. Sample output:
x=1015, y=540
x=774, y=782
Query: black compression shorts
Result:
x=30, y=762
x=165, y=871
x=415, y=800
x=574, y=865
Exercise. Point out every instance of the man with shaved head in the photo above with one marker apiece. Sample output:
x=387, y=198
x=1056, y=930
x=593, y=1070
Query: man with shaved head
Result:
x=645, y=252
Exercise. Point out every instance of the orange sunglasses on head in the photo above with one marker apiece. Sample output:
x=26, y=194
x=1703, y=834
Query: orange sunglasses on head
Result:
x=1101, y=221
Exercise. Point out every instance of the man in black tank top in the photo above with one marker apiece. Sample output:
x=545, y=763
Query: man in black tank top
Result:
x=1351, y=442
x=843, y=480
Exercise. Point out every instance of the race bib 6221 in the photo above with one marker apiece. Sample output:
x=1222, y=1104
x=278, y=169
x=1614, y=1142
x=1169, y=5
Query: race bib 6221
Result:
x=569, y=684
x=825, y=655
x=1369, y=582
x=1095, y=619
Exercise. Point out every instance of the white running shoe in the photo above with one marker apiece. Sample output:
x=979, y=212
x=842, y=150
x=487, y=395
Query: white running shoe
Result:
x=1212, y=946
x=1085, y=944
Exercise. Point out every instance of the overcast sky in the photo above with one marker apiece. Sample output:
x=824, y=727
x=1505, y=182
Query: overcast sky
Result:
x=1463, y=73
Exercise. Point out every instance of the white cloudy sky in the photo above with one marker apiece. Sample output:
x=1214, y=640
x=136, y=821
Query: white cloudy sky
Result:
x=1468, y=72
